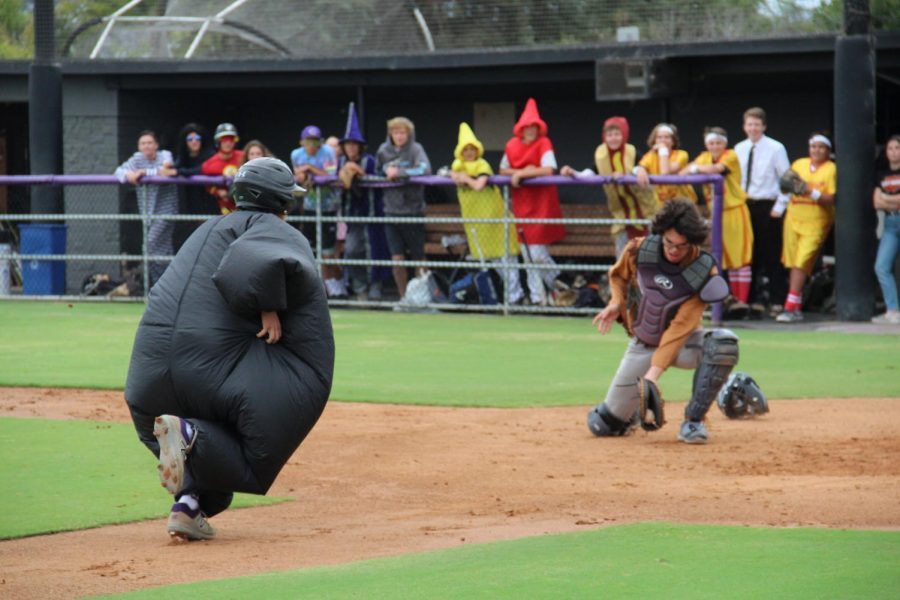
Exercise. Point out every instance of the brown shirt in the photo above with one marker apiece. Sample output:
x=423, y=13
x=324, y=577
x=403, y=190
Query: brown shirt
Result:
x=623, y=277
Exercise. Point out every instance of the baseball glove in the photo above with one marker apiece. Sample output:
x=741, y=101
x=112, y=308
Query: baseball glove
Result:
x=792, y=183
x=652, y=414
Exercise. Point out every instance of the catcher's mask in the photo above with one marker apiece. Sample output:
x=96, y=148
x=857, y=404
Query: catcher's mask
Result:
x=264, y=184
x=741, y=397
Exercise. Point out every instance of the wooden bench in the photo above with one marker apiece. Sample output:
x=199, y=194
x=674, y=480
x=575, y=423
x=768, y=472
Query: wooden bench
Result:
x=582, y=242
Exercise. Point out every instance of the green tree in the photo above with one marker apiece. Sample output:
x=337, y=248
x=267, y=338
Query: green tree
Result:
x=15, y=30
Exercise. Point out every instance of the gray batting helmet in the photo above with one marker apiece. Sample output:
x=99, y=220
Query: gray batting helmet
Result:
x=264, y=183
x=741, y=397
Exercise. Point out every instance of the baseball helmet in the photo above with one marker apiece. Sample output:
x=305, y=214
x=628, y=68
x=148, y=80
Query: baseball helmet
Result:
x=311, y=131
x=264, y=183
x=741, y=397
x=226, y=129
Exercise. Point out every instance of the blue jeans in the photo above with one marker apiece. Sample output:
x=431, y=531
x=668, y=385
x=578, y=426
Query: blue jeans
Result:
x=884, y=262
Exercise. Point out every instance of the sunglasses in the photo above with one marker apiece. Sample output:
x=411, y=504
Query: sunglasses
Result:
x=674, y=246
x=193, y=137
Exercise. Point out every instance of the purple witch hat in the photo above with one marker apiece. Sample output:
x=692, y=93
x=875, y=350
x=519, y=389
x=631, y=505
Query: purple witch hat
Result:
x=353, y=134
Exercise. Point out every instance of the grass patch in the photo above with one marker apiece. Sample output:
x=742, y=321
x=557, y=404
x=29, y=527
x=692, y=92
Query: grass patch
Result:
x=651, y=560
x=450, y=359
x=67, y=475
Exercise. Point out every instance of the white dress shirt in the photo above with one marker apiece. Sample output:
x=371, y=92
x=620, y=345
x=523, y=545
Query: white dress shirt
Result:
x=770, y=162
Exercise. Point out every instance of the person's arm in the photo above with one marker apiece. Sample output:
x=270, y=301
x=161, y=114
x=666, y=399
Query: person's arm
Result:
x=271, y=327
x=505, y=168
x=620, y=275
x=479, y=183
x=568, y=171
x=128, y=172
x=421, y=164
x=316, y=170
x=188, y=171
x=665, y=166
x=517, y=175
x=168, y=164
x=694, y=169
x=350, y=171
x=686, y=320
x=782, y=165
x=641, y=170
x=885, y=201
x=824, y=196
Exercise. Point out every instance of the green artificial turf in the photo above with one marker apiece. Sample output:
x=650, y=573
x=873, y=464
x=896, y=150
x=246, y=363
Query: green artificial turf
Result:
x=651, y=560
x=451, y=359
x=66, y=475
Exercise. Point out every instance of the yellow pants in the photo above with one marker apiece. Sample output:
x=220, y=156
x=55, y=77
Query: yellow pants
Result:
x=737, y=237
x=802, y=242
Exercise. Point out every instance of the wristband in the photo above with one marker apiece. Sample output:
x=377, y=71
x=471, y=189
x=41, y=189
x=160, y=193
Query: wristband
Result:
x=815, y=195
x=693, y=169
x=636, y=170
x=663, y=151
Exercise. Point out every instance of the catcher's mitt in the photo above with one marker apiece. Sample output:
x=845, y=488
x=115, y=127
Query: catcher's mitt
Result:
x=652, y=414
x=792, y=183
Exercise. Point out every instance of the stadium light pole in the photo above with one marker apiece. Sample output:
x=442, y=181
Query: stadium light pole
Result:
x=45, y=111
x=854, y=124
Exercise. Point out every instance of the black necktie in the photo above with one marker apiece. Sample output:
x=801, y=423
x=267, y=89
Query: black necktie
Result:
x=749, y=168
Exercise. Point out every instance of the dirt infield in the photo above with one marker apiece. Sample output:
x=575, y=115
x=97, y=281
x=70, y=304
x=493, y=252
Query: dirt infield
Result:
x=380, y=480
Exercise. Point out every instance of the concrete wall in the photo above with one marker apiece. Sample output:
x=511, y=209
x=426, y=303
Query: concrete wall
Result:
x=90, y=146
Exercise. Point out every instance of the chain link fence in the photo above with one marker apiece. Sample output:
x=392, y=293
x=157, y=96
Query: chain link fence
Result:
x=253, y=29
x=110, y=245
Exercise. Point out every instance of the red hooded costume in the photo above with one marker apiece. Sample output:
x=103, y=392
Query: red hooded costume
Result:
x=533, y=202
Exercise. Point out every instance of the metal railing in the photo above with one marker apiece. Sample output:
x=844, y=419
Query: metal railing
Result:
x=509, y=260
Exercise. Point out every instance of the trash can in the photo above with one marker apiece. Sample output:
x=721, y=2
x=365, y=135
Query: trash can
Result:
x=42, y=277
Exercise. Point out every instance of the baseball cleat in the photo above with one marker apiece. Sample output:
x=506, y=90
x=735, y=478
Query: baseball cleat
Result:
x=174, y=446
x=187, y=525
x=790, y=316
x=693, y=432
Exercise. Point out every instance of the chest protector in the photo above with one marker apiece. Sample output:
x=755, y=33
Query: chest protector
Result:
x=664, y=287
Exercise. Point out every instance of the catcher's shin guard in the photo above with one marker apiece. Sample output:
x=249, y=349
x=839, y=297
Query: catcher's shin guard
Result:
x=720, y=354
x=603, y=423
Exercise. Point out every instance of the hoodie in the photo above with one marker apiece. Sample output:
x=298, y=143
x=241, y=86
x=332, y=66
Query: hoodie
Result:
x=412, y=161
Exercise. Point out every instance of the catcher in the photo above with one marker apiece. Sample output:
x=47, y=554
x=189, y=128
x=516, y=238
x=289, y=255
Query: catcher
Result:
x=660, y=286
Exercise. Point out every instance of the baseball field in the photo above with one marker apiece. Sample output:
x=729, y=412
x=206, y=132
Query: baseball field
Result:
x=453, y=461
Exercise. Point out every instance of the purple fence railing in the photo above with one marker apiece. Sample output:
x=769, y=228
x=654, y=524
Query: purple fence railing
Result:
x=375, y=182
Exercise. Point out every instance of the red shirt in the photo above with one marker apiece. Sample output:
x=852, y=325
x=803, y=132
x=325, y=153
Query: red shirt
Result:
x=218, y=165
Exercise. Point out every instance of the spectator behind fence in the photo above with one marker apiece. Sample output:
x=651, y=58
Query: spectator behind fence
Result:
x=737, y=231
x=364, y=240
x=193, y=150
x=763, y=162
x=155, y=199
x=399, y=158
x=313, y=159
x=255, y=149
x=530, y=154
x=665, y=158
x=615, y=158
x=333, y=142
x=808, y=221
x=225, y=162
x=478, y=200
x=887, y=198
